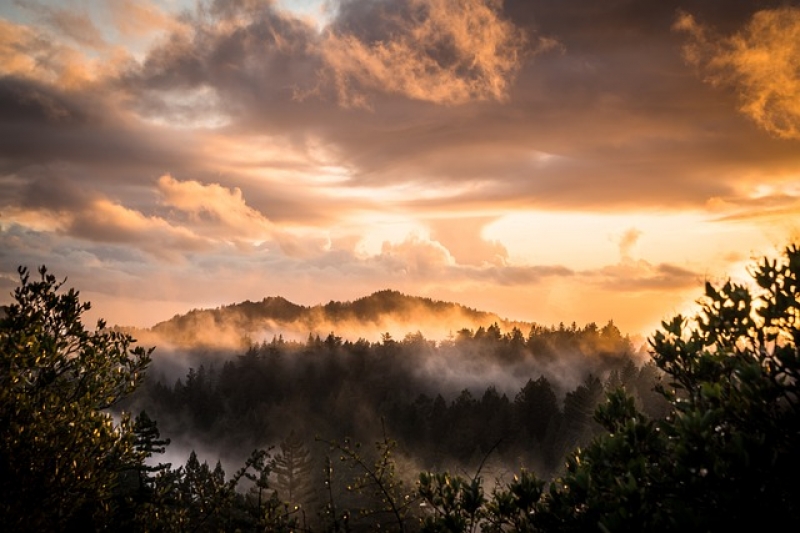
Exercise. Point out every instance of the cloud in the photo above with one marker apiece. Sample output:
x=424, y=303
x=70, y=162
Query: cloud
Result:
x=439, y=51
x=429, y=261
x=223, y=212
x=762, y=62
x=54, y=204
x=73, y=23
x=511, y=275
x=29, y=53
x=136, y=18
x=463, y=239
x=106, y=221
x=416, y=256
x=632, y=275
x=230, y=46
x=617, y=103
x=628, y=241
x=778, y=206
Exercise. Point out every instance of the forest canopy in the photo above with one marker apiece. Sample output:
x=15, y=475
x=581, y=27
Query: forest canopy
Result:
x=701, y=437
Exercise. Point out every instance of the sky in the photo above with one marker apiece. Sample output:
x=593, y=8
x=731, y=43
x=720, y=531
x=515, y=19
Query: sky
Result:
x=550, y=161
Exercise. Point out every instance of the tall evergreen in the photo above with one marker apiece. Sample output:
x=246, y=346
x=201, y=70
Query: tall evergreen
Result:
x=293, y=469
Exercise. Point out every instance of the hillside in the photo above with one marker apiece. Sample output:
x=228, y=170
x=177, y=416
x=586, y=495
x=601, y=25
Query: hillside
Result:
x=370, y=317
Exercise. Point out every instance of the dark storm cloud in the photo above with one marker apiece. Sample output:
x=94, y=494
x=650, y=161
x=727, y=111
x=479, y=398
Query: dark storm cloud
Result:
x=53, y=192
x=254, y=55
x=29, y=102
x=42, y=123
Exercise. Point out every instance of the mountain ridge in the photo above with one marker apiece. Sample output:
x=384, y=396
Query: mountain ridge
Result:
x=369, y=317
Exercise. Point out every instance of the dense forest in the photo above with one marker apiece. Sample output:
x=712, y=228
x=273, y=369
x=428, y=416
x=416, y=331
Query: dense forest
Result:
x=559, y=429
x=520, y=404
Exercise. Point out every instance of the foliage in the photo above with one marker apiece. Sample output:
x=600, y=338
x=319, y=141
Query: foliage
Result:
x=60, y=449
x=293, y=471
x=732, y=442
x=377, y=479
x=455, y=504
x=196, y=497
x=66, y=464
x=723, y=456
x=147, y=441
x=726, y=456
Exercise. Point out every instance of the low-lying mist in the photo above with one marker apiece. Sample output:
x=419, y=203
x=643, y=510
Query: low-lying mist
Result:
x=456, y=389
x=525, y=397
x=370, y=318
x=440, y=359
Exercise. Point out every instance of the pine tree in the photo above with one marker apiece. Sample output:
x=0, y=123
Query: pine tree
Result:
x=147, y=441
x=292, y=468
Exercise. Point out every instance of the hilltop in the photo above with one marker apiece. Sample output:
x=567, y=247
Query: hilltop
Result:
x=369, y=317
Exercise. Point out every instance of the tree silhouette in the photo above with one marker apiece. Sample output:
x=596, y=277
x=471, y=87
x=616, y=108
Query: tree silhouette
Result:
x=60, y=449
x=293, y=472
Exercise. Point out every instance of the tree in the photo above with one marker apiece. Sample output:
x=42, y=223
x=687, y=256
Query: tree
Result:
x=60, y=448
x=378, y=481
x=726, y=457
x=206, y=495
x=293, y=469
x=536, y=407
x=147, y=441
x=579, y=408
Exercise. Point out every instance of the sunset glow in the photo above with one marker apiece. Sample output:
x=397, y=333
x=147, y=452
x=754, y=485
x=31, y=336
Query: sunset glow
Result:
x=549, y=162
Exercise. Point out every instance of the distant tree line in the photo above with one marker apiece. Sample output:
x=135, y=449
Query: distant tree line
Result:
x=334, y=388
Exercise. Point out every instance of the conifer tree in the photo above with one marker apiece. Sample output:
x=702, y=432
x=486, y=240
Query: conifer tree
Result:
x=147, y=441
x=293, y=471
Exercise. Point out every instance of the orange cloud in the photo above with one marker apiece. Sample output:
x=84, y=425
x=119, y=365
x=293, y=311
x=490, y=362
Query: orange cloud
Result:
x=416, y=256
x=106, y=221
x=29, y=53
x=222, y=214
x=136, y=18
x=762, y=62
x=218, y=209
x=429, y=261
x=628, y=241
x=19, y=47
x=447, y=52
x=463, y=238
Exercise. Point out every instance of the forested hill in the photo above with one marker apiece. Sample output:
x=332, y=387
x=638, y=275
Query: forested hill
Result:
x=370, y=317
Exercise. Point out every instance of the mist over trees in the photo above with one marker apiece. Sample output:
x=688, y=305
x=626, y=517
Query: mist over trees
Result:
x=386, y=311
x=336, y=435
x=447, y=404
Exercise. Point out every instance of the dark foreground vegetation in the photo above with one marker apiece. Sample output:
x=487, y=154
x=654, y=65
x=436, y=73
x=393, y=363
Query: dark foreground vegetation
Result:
x=711, y=446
